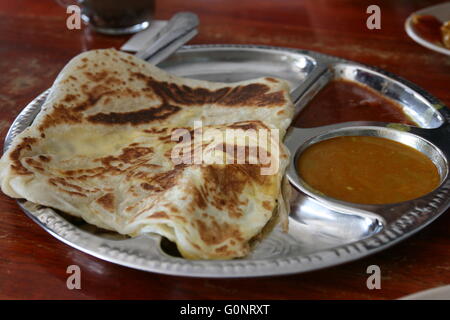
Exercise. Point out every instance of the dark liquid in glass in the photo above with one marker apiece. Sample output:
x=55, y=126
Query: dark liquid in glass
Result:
x=117, y=14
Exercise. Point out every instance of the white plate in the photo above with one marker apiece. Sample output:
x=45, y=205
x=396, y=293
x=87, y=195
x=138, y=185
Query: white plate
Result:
x=439, y=293
x=440, y=11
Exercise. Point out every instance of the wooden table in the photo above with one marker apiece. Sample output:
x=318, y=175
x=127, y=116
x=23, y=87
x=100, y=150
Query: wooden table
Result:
x=35, y=44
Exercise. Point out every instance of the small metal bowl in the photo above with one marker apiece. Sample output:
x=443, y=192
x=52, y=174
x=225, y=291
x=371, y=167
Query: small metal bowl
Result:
x=299, y=139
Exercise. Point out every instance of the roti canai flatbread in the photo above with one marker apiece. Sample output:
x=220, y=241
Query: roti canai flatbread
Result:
x=103, y=149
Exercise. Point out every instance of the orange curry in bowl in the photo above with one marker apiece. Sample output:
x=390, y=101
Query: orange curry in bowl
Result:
x=367, y=170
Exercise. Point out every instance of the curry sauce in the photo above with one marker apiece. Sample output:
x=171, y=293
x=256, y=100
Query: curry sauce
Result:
x=367, y=170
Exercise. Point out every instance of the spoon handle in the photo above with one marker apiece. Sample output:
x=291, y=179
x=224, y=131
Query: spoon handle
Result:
x=179, y=28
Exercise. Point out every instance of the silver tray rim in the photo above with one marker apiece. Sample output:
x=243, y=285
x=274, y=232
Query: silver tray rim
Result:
x=132, y=254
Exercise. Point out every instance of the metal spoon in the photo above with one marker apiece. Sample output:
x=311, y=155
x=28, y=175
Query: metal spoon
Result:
x=179, y=30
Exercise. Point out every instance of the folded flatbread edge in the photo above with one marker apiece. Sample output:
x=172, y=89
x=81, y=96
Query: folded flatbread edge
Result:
x=100, y=149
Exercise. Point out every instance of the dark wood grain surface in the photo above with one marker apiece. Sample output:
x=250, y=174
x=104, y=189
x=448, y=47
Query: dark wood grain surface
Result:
x=35, y=44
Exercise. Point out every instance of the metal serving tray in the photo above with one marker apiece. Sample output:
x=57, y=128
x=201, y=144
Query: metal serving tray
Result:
x=323, y=232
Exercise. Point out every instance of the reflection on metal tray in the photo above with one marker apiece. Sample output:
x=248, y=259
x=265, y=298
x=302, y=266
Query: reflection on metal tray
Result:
x=322, y=232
